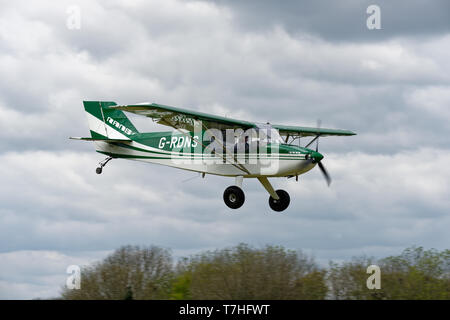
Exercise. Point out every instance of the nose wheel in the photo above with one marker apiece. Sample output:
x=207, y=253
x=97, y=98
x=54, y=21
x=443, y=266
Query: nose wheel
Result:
x=234, y=197
x=282, y=203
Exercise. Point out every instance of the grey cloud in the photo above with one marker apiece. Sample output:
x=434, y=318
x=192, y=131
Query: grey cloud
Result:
x=368, y=88
x=125, y=205
x=343, y=20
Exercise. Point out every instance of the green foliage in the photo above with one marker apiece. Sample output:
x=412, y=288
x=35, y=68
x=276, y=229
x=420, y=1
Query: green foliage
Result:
x=271, y=272
x=243, y=272
x=180, y=287
x=129, y=294
x=312, y=286
x=348, y=280
x=129, y=272
x=415, y=274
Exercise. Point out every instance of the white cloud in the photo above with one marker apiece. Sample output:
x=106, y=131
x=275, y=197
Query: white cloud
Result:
x=433, y=100
x=28, y=274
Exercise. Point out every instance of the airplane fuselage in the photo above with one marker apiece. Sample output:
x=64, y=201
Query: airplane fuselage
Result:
x=187, y=151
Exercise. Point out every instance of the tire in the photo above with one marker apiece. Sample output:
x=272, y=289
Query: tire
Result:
x=234, y=197
x=282, y=203
x=98, y=170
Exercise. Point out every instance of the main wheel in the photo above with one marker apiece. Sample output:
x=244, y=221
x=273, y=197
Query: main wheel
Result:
x=234, y=197
x=282, y=203
x=98, y=170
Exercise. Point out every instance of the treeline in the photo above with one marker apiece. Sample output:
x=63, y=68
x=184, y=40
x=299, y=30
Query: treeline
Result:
x=272, y=272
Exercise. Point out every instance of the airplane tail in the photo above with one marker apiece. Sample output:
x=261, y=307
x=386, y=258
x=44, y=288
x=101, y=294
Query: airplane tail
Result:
x=106, y=123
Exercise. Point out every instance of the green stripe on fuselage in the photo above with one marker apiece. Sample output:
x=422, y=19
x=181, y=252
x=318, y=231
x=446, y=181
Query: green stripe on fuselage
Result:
x=164, y=145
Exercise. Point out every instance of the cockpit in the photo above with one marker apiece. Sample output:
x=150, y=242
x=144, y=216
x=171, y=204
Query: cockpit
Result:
x=262, y=133
x=260, y=136
x=268, y=134
x=254, y=138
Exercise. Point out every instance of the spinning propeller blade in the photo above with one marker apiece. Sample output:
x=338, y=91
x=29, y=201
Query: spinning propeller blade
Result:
x=321, y=166
x=325, y=173
x=319, y=122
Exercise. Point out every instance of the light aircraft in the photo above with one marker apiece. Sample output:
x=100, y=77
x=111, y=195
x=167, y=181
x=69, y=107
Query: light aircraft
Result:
x=208, y=144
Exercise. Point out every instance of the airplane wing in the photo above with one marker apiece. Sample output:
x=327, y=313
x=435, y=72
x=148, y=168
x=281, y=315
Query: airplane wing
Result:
x=182, y=118
x=311, y=131
x=100, y=139
x=179, y=118
x=187, y=119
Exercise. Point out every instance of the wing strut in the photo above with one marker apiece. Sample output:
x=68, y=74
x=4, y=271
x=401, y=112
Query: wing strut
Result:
x=266, y=184
x=311, y=142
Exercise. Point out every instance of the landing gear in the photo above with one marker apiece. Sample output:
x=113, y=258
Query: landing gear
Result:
x=234, y=197
x=279, y=200
x=102, y=164
x=282, y=203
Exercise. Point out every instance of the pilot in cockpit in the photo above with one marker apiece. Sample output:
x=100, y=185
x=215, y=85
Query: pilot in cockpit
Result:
x=247, y=146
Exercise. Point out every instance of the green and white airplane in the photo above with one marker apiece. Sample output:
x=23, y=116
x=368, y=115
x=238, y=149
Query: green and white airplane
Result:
x=208, y=144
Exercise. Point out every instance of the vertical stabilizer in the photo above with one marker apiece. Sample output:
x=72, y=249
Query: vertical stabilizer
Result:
x=105, y=122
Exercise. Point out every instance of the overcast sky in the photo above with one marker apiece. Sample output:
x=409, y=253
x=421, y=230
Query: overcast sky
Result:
x=289, y=62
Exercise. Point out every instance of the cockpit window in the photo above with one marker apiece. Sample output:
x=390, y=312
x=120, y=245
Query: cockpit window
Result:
x=268, y=134
x=262, y=134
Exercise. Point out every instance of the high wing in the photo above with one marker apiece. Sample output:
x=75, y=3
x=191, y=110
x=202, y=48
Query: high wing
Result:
x=100, y=139
x=311, y=131
x=187, y=119
x=182, y=118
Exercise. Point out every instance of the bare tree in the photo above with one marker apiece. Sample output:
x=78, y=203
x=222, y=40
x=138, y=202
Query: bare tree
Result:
x=129, y=272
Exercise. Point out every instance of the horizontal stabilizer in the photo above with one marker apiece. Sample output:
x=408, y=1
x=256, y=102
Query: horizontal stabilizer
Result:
x=100, y=139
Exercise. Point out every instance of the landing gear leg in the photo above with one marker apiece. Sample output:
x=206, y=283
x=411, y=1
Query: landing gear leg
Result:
x=279, y=200
x=102, y=164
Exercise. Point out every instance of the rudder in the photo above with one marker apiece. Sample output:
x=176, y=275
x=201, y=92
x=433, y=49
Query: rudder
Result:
x=105, y=122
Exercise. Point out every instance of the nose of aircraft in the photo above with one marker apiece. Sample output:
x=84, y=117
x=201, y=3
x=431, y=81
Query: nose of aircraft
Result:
x=316, y=156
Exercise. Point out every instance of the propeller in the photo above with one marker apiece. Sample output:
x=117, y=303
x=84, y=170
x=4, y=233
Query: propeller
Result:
x=319, y=157
x=319, y=123
x=325, y=173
